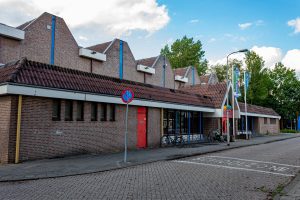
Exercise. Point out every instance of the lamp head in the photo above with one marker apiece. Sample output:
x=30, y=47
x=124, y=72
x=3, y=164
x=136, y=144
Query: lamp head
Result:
x=243, y=51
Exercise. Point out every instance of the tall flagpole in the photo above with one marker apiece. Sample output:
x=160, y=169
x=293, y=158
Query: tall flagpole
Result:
x=245, y=97
x=233, y=100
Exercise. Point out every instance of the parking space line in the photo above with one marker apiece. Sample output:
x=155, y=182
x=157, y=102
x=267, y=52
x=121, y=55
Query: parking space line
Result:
x=237, y=168
x=250, y=161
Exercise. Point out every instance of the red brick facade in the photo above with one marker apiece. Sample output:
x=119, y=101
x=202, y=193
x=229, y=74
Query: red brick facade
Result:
x=41, y=137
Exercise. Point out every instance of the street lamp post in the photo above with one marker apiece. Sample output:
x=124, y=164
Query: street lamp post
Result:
x=227, y=104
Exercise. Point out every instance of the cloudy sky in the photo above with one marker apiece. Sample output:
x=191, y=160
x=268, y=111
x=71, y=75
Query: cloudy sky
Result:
x=269, y=27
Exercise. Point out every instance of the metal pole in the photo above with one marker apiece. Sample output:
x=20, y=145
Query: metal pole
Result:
x=126, y=127
x=233, y=101
x=245, y=89
x=227, y=104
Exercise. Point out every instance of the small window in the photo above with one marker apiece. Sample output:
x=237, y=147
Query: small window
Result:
x=272, y=121
x=112, y=112
x=80, y=111
x=56, y=105
x=265, y=120
x=94, y=111
x=69, y=111
x=103, y=112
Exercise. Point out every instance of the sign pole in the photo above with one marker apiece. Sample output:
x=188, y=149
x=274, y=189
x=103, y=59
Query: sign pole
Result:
x=127, y=96
x=126, y=131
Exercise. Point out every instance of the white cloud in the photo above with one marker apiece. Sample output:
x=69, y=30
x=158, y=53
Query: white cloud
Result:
x=192, y=21
x=245, y=25
x=115, y=17
x=295, y=23
x=292, y=59
x=212, y=40
x=83, y=38
x=271, y=55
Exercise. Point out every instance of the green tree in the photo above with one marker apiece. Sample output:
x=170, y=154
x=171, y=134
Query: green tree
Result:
x=219, y=70
x=284, y=94
x=259, y=83
x=186, y=52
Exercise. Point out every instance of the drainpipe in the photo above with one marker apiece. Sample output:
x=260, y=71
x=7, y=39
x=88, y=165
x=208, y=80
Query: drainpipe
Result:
x=18, y=129
x=52, y=40
x=121, y=60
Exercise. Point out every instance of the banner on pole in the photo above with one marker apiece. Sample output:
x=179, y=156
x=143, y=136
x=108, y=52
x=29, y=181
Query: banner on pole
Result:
x=236, y=82
x=246, y=80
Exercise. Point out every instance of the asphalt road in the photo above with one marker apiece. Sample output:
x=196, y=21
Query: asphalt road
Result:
x=256, y=172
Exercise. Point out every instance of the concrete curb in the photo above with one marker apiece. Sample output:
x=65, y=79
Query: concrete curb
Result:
x=122, y=166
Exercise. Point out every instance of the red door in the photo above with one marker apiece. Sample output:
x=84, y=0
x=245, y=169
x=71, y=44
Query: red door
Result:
x=141, y=127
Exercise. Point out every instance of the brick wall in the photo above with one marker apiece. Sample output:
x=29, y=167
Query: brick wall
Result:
x=268, y=127
x=210, y=124
x=9, y=49
x=8, y=110
x=41, y=137
x=157, y=78
x=153, y=126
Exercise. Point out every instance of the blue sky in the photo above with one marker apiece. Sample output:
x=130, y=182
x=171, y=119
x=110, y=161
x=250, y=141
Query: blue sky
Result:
x=269, y=27
x=216, y=24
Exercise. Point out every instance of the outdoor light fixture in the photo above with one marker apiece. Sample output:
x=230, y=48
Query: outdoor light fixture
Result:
x=227, y=104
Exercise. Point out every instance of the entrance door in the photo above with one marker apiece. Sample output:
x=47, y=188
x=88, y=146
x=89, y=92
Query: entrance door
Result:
x=141, y=127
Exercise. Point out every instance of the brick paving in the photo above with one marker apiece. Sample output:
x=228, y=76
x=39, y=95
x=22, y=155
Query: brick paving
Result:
x=168, y=179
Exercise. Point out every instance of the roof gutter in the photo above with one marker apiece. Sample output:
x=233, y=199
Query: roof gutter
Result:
x=18, y=89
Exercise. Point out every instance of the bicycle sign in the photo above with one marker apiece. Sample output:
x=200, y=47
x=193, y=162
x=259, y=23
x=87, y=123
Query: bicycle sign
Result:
x=127, y=96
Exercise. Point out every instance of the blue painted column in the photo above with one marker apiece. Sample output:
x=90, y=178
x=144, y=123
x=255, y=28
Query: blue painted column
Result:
x=189, y=127
x=242, y=124
x=53, y=25
x=252, y=125
x=121, y=60
x=200, y=127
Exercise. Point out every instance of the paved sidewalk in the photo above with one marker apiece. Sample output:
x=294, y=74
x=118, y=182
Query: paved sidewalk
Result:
x=292, y=191
x=84, y=164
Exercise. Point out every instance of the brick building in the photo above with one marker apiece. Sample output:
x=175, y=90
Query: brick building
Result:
x=58, y=99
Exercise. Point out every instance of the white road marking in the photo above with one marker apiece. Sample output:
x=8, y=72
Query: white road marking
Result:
x=250, y=160
x=228, y=167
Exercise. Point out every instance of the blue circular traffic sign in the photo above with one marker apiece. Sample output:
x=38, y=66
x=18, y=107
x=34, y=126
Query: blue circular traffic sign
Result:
x=127, y=96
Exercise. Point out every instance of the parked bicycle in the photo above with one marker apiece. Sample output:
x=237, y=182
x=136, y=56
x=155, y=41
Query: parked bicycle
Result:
x=173, y=139
x=215, y=135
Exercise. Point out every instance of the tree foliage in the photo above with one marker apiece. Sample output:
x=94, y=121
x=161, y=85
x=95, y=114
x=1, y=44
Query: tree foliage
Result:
x=186, y=52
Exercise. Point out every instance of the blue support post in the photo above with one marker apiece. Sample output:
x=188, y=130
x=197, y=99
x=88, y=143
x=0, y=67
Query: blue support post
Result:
x=200, y=136
x=52, y=40
x=242, y=119
x=252, y=125
x=189, y=127
x=121, y=60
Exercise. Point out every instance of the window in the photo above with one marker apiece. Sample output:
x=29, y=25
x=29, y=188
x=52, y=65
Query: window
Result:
x=103, y=112
x=265, y=120
x=94, y=111
x=80, y=111
x=272, y=121
x=56, y=110
x=68, y=110
x=112, y=112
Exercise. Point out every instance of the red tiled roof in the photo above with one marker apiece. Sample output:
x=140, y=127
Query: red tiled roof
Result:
x=43, y=75
x=217, y=92
x=147, y=61
x=257, y=109
x=100, y=47
x=204, y=78
x=180, y=71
